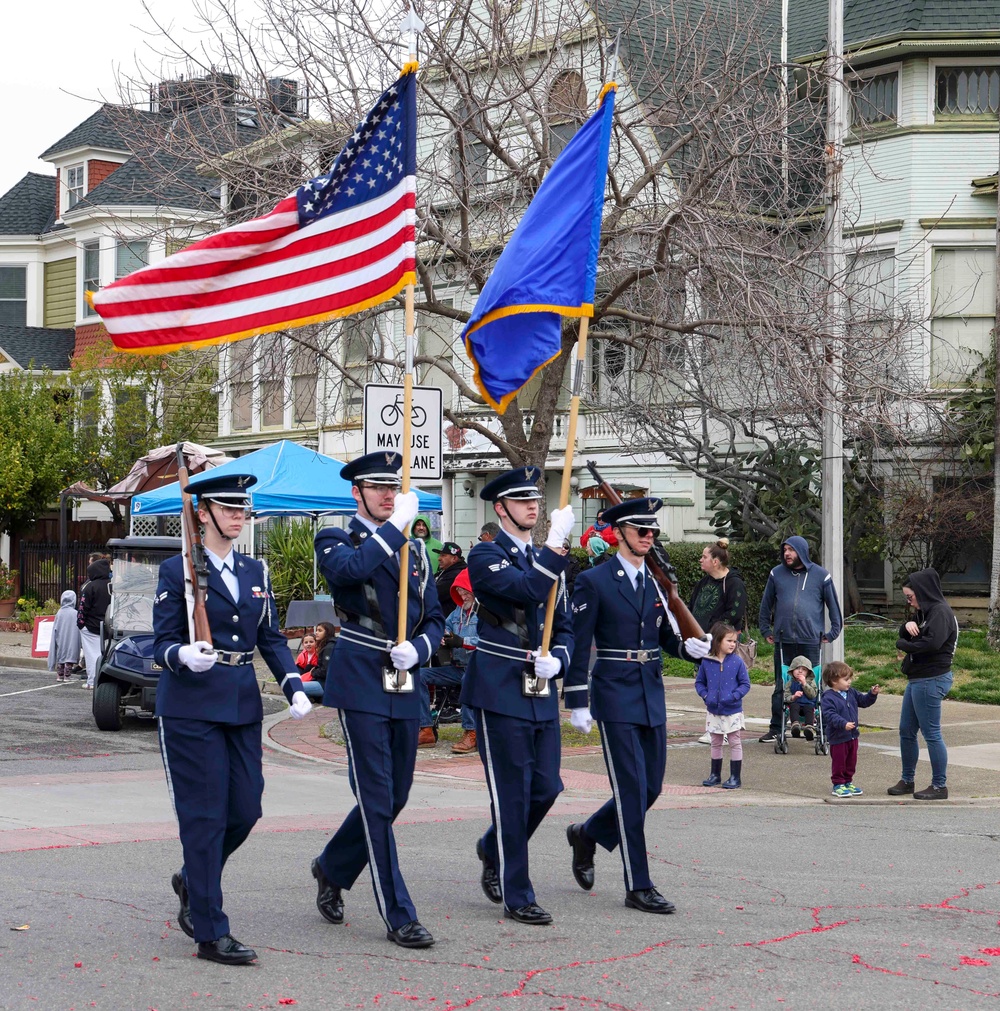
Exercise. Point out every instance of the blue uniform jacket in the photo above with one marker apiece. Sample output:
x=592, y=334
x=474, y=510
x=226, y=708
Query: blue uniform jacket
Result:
x=606, y=611
x=722, y=685
x=223, y=694
x=354, y=678
x=503, y=579
x=838, y=712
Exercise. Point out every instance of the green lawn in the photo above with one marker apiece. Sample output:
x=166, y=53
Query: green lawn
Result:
x=872, y=654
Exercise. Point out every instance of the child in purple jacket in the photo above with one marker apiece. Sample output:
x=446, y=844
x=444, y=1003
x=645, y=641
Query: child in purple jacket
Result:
x=722, y=681
x=840, y=705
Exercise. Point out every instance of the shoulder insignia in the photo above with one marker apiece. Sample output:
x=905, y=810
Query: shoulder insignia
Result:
x=160, y=597
x=577, y=608
x=326, y=551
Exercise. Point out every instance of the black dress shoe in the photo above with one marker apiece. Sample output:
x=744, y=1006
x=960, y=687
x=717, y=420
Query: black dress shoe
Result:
x=530, y=913
x=648, y=900
x=489, y=879
x=328, y=898
x=411, y=935
x=226, y=950
x=583, y=856
x=184, y=913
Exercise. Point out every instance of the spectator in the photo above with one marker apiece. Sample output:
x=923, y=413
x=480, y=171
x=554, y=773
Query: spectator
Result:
x=422, y=528
x=307, y=662
x=720, y=594
x=450, y=563
x=95, y=598
x=326, y=638
x=597, y=551
x=800, y=697
x=722, y=682
x=573, y=569
x=489, y=531
x=791, y=616
x=928, y=642
x=840, y=704
x=600, y=529
x=462, y=636
x=64, y=649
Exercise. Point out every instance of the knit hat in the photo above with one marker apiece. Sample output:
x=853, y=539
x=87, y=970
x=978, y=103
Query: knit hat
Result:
x=801, y=661
x=598, y=545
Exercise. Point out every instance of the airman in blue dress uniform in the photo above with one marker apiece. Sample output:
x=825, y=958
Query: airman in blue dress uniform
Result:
x=209, y=708
x=620, y=607
x=508, y=683
x=374, y=683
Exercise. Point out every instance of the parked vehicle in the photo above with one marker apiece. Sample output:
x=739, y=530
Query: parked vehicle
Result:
x=127, y=676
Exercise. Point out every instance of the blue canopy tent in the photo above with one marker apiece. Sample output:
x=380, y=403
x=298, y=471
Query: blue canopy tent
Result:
x=291, y=481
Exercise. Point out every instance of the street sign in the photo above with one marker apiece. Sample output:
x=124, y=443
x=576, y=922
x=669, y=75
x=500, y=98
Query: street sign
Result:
x=383, y=426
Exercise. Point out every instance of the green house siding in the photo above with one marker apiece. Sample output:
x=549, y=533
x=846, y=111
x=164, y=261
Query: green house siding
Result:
x=60, y=293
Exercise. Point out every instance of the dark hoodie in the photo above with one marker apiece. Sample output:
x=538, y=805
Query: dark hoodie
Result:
x=96, y=595
x=722, y=599
x=930, y=653
x=791, y=609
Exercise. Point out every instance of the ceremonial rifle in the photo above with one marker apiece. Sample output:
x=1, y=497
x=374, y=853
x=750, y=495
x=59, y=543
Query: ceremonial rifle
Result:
x=195, y=562
x=660, y=566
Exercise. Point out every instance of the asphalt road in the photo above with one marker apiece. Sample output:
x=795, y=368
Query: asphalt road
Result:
x=779, y=905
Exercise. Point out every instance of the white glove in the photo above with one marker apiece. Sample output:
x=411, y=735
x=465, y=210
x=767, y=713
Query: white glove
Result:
x=404, y=509
x=697, y=648
x=546, y=666
x=560, y=526
x=582, y=720
x=198, y=656
x=301, y=706
x=404, y=656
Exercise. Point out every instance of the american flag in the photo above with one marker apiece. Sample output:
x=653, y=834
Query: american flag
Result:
x=340, y=243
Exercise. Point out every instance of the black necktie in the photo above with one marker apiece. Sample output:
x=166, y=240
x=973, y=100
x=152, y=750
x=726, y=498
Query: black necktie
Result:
x=529, y=554
x=638, y=585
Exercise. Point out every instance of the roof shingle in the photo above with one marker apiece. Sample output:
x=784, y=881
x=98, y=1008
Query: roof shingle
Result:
x=42, y=347
x=28, y=207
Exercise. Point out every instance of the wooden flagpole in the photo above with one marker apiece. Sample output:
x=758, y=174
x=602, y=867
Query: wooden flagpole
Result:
x=574, y=414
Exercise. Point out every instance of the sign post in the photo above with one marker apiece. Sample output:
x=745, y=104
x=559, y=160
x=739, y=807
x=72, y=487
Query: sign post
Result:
x=383, y=426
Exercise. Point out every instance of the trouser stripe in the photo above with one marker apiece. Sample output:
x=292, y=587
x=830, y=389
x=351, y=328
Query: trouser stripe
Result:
x=622, y=839
x=491, y=780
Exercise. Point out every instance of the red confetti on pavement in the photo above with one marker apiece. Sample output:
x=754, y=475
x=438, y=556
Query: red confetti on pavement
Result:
x=966, y=960
x=78, y=965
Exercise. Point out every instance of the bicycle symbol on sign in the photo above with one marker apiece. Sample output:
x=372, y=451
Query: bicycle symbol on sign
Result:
x=393, y=413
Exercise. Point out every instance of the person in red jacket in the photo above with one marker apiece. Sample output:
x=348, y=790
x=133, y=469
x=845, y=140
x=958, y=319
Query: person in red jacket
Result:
x=600, y=529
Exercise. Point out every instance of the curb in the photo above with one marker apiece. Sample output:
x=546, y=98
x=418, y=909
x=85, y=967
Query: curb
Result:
x=25, y=662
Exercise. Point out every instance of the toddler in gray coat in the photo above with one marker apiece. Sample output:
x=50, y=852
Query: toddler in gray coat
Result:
x=64, y=650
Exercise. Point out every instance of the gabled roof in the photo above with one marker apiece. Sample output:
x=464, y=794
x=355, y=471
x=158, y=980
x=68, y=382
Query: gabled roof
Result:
x=104, y=129
x=866, y=20
x=28, y=207
x=37, y=346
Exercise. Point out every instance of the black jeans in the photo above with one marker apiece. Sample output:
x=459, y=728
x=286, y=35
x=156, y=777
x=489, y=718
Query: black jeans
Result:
x=785, y=652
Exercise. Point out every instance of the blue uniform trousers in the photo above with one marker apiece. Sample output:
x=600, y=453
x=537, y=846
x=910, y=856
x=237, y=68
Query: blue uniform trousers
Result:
x=636, y=757
x=215, y=780
x=381, y=754
x=521, y=758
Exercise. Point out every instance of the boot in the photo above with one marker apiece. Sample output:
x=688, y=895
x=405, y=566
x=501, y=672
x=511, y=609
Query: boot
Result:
x=734, y=782
x=427, y=738
x=716, y=775
x=466, y=744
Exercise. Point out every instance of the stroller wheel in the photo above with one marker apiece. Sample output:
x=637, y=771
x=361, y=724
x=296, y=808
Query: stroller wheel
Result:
x=777, y=747
x=826, y=748
x=784, y=747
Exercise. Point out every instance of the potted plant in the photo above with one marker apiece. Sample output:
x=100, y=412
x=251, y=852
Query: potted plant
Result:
x=8, y=590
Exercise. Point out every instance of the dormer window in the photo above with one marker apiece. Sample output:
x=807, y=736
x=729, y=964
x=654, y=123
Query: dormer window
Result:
x=74, y=185
x=567, y=109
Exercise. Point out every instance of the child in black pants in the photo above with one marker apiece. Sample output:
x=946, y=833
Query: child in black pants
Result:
x=840, y=705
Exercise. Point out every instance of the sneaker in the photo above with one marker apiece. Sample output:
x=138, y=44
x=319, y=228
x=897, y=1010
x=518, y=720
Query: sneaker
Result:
x=900, y=789
x=856, y=791
x=842, y=790
x=769, y=738
x=705, y=739
x=807, y=731
x=932, y=793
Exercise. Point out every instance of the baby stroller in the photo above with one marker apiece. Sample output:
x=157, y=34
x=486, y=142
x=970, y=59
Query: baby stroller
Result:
x=820, y=744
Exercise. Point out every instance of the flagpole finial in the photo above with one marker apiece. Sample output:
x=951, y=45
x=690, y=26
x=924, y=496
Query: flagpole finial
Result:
x=410, y=27
x=612, y=54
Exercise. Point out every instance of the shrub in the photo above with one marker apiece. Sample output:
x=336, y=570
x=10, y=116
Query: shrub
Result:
x=290, y=559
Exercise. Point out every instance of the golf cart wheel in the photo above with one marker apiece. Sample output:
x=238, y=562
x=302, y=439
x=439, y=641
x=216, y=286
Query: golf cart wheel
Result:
x=108, y=705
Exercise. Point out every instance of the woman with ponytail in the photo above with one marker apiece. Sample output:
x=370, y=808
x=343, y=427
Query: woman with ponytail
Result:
x=720, y=594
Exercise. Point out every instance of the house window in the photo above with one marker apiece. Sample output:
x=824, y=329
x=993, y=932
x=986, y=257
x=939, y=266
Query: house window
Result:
x=874, y=99
x=90, y=411
x=91, y=273
x=272, y=380
x=305, y=367
x=611, y=365
x=13, y=295
x=355, y=358
x=471, y=153
x=870, y=290
x=74, y=185
x=967, y=91
x=566, y=109
x=130, y=256
x=241, y=385
x=963, y=303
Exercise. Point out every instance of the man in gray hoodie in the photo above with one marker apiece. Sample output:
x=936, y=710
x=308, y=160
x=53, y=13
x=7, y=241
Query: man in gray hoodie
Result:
x=791, y=615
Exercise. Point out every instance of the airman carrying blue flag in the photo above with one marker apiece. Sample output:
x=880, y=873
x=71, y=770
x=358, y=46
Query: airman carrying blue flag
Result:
x=548, y=269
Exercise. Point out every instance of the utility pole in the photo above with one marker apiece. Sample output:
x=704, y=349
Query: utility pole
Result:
x=833, y=417
x=993, y=632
